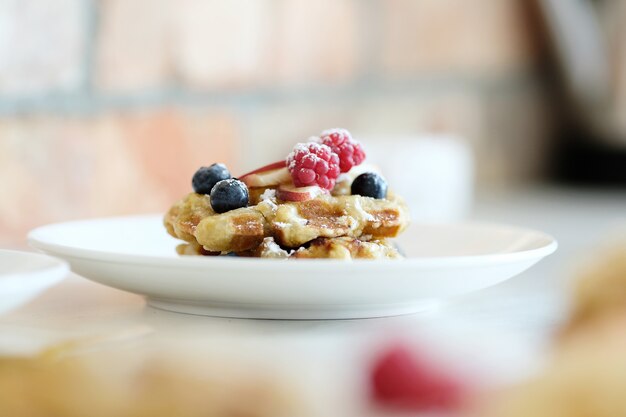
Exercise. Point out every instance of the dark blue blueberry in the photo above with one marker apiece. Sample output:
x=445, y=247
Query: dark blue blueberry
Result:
x=229, y=195
x=206, y=177
x=369, y=184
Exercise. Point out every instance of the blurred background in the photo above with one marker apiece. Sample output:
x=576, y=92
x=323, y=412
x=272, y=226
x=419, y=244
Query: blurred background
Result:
x=108, y=106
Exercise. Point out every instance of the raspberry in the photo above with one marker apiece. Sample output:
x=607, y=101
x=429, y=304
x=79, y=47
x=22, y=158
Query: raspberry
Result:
x=349, y=150
x=313, y=164
x=404, y=380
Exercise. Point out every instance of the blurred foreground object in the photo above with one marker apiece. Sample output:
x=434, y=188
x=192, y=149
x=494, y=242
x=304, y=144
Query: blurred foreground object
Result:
x=586, y=378
x=405, y=379
x=126, y=385
x=601, y=291
x=586, y=375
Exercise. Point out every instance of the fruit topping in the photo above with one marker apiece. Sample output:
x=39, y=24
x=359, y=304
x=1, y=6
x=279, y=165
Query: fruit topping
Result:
x=369, y=184
x=229, y=195
x=205, y=178
x=350, y=151
x=403, y=379
x=313, y=164
x=270, y=167
x=288, y=192
x=267, y=178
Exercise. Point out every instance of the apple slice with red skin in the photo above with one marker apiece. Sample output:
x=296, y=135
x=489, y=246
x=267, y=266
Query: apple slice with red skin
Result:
x=270, y=167
x=267, y=176
x=289, y=192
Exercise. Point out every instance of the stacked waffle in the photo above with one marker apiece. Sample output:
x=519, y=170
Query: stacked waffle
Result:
x=286, y=219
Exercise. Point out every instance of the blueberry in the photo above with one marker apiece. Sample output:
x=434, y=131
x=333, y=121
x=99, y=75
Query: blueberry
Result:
x=369, y=184
x=206, y=177
x=229, y=195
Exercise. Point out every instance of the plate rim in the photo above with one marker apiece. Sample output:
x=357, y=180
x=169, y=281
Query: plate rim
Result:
x=37, y=242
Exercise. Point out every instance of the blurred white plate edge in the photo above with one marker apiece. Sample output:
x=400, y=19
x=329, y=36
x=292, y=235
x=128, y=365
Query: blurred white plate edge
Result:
x=24, y=275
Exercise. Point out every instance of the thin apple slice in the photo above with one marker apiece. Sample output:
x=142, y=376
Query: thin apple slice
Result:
x=289, y=192
x=270, y=167
x=267, y=178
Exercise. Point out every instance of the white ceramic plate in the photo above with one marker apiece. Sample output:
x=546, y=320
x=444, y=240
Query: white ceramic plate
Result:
x=136, y=254
x=24, y=275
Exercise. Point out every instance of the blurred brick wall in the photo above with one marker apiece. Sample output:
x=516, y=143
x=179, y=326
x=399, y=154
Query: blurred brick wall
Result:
x=108, y=107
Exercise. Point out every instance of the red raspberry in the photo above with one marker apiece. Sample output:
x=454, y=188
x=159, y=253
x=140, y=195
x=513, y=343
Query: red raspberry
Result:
x=404, y=380
x=349, y=150
x=313, y=164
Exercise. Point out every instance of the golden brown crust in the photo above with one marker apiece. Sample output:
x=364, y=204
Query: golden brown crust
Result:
x=347, y=248
x=233, y=231
x=353, y=216
x=327, y=248
x=183, y=217
x=255, y=193
x=292, y=224
x=194, y=249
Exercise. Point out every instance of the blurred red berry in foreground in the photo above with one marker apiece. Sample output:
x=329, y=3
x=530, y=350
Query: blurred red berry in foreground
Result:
x=403, y=379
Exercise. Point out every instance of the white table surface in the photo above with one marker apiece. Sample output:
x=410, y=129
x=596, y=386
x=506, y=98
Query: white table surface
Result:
x=504, y=328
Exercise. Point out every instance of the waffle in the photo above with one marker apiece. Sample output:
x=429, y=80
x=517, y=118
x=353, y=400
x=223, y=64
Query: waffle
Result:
x=327, y=248
x=290, y=224
x=347, y=248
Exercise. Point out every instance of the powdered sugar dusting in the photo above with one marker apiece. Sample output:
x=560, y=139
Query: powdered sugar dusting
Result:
x=272, y=246
x=268, y=195
x=367, y=216
x=339, y=130
x=305, y=148
x=313, y=164
x=270, y=249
